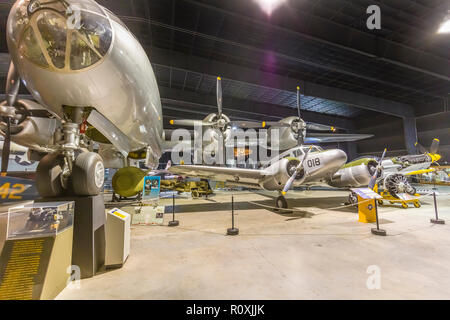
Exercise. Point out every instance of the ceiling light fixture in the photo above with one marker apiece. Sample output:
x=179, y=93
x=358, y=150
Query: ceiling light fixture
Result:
x=269, y=6
x=445, y=26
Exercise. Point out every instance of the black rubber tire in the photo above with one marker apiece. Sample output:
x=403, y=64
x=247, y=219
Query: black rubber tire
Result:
x=48, y=176
x=281, y=202
x=84, y=174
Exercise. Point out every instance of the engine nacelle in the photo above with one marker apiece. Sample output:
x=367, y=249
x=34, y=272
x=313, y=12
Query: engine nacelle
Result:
x=288, y=136
x=31, y=132
x=354, y=174
x=280, y=172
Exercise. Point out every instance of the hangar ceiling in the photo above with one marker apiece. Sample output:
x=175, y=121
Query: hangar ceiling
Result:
x=347, y=72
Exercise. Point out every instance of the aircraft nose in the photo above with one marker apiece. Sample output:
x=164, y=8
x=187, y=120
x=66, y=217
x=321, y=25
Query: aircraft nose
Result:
x=339, y=157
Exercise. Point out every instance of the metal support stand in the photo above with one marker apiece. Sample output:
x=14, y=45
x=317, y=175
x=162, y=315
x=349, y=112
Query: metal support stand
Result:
x=378, y=231
x=173, y=223
x=437, y=220
x=232, y=231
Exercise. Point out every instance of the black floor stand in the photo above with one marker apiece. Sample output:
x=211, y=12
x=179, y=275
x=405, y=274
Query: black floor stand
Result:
x=232, y=231
x=437, y=220
x=89, y=240
x=377, y=231
x=173, y=223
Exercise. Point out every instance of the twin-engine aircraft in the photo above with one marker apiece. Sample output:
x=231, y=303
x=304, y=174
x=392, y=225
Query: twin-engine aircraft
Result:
x=303, y=165
x=92, y=80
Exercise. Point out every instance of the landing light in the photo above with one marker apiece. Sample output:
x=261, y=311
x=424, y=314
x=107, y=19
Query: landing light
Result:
x=269, y=6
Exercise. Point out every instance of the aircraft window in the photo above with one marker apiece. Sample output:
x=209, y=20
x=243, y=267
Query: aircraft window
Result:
x=53, y=30
x=82, y=55
x=97, y=31
x=298, y=153
x=29, y=47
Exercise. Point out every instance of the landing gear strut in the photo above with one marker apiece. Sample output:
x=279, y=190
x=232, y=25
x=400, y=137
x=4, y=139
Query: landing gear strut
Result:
x=71, y=170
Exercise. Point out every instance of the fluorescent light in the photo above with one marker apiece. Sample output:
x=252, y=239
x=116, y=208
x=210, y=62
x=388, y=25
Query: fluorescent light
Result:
x=269, y=6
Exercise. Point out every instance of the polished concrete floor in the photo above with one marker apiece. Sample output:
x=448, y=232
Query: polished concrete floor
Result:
x=314, y=253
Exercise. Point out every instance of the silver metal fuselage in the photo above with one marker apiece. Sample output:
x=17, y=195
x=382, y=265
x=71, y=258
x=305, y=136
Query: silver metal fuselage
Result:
x=121, y=87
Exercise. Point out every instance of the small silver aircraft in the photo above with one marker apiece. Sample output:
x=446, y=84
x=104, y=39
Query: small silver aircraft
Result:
x=303, y=165
x=92, y=80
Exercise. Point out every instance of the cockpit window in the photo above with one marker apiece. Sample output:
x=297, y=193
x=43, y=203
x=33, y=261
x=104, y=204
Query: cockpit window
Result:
x=59, y=36
x=90, y=42
x=53, y=31
x=29, y=47
x=82, y=54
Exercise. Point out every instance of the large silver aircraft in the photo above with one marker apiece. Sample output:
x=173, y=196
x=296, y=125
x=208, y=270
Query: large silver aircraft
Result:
x=88, y=74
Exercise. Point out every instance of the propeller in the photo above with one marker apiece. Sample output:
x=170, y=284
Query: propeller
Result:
x=221, y=121
x=12, y=115
x=378, y=170
x=434, y=148
x=299, y=126
x=291, y=180
x=12, y=89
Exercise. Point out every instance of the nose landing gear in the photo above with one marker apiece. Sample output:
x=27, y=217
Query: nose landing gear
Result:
x=71, y=170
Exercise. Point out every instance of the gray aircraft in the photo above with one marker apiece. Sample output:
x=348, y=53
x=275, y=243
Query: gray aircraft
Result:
x=88, y=74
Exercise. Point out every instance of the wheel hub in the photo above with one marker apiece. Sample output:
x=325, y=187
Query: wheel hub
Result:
x=99, y=175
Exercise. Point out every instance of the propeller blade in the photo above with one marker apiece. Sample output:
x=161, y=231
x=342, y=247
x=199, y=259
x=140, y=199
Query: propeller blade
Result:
x=373, y=180
x=36, y=113
x=274, y=124
x=420, y=148
x=190, y=123
x=12, y=85
x=247, y=124
x=299, y=103
x=6, y=146
x=219, y=96
x=291, y=180
x=320, y=127
x=434, y=146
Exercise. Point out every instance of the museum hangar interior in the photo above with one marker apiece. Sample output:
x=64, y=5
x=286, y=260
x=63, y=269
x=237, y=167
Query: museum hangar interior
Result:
x=390, y=82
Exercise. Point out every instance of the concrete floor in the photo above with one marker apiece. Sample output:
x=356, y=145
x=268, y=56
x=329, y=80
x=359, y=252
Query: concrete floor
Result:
x=312, y=254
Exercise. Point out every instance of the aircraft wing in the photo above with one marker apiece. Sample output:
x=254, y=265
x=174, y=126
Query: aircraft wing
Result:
x=250, y=177
x=335, y=137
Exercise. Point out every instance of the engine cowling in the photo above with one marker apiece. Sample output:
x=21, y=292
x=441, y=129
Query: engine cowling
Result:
x=280, y=172
x=31, y=132
x=288, y=136
x=354, y=174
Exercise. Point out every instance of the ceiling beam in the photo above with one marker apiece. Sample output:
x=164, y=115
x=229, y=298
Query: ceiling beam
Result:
x=344, y=37
x=265, y=79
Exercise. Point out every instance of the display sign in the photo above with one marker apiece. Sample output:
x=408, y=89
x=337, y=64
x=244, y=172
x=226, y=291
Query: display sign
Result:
x=152, y=187
x=366, y=193
x=119, y=213
x=148, y=215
